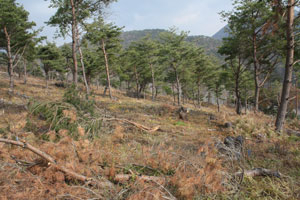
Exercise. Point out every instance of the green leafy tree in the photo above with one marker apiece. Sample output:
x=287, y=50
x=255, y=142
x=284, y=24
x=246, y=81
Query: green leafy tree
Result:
x=148, y=58
x=70, y=15
x=236, y=60
x=30, y=55
x=173, y=52
x=291, y=45
x=66, y=51
x=253, y=22
x=15, y=34
x=215, y=83
x=107, y=37
x=201, y=71
x=51, y=58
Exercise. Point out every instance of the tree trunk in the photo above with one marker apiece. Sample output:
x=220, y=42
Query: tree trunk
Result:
x=218, y=103
x=198, y=98
x=257, y=94
x=237, y=90
x=255, y=62
x=174, y=95
x=137, y=82
x=297, y=98
x=153, y=82
x=10, y=61
x=128, y=85
x=209, y=97
x=106, y=68
x=47, y=80
x=97, y=83
x=288, y=67
x=238, y=105
x=296, y=91
x=83, y=69
x=25, y=72
x=178, y=86
x=246, y=105
x=74, y=24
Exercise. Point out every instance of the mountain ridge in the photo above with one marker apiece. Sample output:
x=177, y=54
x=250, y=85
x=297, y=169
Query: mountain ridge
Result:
x=209, y=44
x=222, y=33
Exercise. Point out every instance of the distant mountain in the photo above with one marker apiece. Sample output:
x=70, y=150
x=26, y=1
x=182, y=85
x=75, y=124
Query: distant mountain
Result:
x=209, y=44
x=221, y=33
x=131, y=36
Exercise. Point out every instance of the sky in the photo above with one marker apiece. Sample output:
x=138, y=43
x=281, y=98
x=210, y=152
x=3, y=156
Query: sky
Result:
x=199, y=17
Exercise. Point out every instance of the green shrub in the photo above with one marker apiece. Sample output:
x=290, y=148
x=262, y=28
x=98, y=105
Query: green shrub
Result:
x=78, y=100
x=74, y=111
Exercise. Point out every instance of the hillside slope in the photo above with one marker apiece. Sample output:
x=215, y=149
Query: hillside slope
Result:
x=173, y=159
x=210, y=45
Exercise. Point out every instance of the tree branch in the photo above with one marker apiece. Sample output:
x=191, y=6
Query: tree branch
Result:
x=53, y=163
x=259, y=172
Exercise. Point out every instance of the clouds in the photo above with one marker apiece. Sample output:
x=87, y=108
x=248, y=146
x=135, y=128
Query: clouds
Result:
x=186, y=19
x=200, y=17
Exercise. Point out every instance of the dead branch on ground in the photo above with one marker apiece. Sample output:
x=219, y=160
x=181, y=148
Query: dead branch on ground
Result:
x=140, y=126
x=293, y=132
x=52, y=162
x=122, y=178
x=259, y=172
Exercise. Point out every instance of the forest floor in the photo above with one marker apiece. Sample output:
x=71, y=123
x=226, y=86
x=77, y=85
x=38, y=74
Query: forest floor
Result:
x=179, y=160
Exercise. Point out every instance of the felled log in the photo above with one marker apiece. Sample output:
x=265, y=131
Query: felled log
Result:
x=140, y=126
x=292, y=132
x=52, y=162
x=123, y=178
x=4, y=104
x=259, y=172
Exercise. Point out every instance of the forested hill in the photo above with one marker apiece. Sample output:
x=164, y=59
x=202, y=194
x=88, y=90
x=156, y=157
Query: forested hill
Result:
x=209, y=44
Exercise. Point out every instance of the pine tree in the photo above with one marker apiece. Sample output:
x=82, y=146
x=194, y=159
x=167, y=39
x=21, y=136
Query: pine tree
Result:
x=173, y=52
x=107, y=36
x=70, y=15
x=15, y=35
x=51, y=58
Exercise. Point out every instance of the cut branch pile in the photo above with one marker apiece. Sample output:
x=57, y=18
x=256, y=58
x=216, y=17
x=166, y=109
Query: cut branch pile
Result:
x=52, y=162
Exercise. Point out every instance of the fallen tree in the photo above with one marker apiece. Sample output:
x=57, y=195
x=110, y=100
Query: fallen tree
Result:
x=259, y=172
x=291, y=132
x=122, y=178
x=140, y=126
